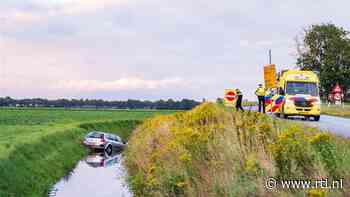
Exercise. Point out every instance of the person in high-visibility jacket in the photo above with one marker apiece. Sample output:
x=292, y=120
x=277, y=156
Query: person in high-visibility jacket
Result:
x=239, y=100
x=260, y=93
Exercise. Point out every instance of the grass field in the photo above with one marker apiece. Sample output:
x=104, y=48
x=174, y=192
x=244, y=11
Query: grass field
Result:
x=343, y=111
x=39, y=146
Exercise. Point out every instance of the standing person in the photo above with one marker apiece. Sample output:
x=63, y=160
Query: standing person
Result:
x=260, y=92
x=239, y=100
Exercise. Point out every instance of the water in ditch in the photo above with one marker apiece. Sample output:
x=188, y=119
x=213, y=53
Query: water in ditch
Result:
x=98, y=175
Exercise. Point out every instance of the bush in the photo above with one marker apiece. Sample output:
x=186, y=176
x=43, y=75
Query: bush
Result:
x=323, y=144
x=252, y=165
x=174, y=185
x=317, y=193
x=138, y=184
x=293, y=154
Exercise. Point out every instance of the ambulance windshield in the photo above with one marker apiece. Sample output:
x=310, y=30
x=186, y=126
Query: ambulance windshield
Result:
x=307, y=88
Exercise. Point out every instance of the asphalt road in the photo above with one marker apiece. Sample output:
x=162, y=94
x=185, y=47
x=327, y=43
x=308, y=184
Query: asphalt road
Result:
x=333, y=124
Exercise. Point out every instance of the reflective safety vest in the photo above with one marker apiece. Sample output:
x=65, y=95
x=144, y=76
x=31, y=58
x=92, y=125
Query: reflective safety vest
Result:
x=260, y=92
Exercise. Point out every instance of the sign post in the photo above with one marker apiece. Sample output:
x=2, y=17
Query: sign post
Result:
x=270, y=76
x=230, y=97
x=337, y=94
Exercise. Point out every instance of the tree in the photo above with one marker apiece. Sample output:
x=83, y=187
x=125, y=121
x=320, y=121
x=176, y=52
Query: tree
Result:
x=325, y=48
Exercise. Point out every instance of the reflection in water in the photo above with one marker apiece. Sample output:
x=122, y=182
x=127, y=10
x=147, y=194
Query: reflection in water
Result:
x=98, y=175
x=102, y=159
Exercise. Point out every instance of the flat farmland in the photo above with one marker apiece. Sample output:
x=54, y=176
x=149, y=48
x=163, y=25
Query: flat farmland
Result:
x=38, y=146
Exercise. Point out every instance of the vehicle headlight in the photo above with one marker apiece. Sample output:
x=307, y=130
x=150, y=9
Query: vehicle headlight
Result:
x=316, y=101
x=289, y=102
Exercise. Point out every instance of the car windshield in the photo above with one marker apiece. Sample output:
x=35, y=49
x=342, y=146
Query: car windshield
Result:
x=95, y=135
x=307, y=88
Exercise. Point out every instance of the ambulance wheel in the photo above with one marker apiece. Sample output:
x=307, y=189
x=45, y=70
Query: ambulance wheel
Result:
x=316, y=118
x=278, y=115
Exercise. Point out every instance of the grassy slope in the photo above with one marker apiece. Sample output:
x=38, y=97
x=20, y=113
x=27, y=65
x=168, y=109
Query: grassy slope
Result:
x=211, y=151
x=337, y=111
x=37, y=147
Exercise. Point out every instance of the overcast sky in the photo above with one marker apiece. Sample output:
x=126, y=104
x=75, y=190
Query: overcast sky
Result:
x=150, y=49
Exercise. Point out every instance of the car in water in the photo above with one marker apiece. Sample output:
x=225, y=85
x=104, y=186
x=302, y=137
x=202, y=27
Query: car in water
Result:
x=97, y=140
x=103, y=159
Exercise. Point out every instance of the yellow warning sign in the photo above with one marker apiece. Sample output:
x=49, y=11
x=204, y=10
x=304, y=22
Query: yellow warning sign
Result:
x=230, y=97
x=270, y=76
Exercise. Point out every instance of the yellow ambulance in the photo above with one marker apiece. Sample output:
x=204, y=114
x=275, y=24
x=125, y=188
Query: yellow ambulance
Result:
x=301, y=93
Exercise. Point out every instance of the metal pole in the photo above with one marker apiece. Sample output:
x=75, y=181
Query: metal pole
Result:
x=270, y=56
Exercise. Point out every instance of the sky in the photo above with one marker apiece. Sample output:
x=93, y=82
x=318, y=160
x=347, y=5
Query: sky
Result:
x=150, y=49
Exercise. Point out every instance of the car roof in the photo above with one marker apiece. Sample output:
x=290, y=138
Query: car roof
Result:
x=100, y=132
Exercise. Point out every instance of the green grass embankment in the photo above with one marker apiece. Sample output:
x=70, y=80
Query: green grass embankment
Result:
x=211, y=151
x=32, y=168
x=38, y=147
x=342, y=111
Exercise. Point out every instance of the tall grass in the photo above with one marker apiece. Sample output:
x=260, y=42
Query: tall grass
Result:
x=211, y=151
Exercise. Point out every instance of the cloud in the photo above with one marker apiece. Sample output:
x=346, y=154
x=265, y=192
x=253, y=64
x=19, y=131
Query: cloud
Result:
x=34, y=11
x=264, y=43
x=129, y=83
x=62, y=48
x=244, y=43
x=23, y=17
x=75, y=7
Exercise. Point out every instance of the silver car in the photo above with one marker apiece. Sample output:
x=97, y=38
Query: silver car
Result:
x=103, y=141
x=102, y=159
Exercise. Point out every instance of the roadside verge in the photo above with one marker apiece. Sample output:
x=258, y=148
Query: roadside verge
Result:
x=211, y=151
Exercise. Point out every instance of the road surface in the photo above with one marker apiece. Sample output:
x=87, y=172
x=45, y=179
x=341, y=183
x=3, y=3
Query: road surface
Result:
x=333, y=124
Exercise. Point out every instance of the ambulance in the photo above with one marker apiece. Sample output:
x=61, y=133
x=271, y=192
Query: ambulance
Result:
x=301, y=94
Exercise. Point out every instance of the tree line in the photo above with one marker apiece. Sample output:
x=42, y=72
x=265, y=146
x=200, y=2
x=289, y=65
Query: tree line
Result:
x=171, y=104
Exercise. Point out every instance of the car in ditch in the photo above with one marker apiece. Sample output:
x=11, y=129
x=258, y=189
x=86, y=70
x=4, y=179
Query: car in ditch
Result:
x=103, y=159
x=97, y=140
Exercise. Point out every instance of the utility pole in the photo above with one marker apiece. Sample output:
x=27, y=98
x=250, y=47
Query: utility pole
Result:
x=270, y=57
